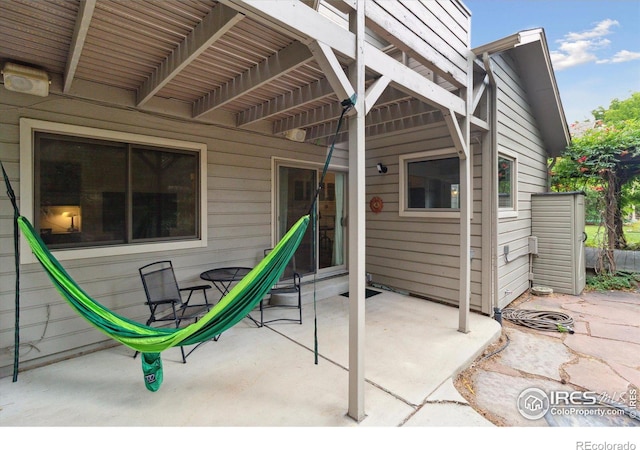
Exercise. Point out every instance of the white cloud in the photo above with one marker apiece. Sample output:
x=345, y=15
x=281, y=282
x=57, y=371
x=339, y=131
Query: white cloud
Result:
x=601, y=29
x=574, y=53
x=580, y=48
x=620, y=57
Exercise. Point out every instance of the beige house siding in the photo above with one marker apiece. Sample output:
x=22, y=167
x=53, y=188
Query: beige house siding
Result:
x=418, y=255
x=239, y=216
x=517, y=134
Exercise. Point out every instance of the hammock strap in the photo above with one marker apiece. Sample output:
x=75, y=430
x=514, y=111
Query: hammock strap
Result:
x=16, y=252
x=346, y=104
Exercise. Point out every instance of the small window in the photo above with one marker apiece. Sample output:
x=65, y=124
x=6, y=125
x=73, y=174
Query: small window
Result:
x=99, y=192
x=507, y=187
x=430, y=184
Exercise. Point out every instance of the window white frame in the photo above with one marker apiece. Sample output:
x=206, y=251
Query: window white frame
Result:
x=28, y=127
x=431, y=155
x=511, y=210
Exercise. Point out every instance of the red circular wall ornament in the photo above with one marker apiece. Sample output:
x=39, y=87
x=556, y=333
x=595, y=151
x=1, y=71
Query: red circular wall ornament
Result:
x=376, y=204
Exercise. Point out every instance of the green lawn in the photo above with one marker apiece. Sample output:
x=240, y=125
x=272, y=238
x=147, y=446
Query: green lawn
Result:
x=631, y=233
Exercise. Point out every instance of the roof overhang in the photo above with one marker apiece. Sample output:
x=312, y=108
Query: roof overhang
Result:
x=530, y=51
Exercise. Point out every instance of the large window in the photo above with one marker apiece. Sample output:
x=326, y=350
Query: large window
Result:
x=94, y=193
x=430, y=184
x=507, y=185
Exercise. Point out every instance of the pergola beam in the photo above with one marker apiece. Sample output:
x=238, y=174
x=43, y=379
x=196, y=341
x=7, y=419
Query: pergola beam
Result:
x=410, y=114
x=375, y=91
x=85, y=13
x=273, y=67
x=332, y=68
x=375, y=94
x=285, y=102
x=306, y=25
x=215, y=24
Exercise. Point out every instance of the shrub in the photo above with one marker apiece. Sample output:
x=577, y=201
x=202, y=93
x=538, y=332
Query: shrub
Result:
x=620, y=281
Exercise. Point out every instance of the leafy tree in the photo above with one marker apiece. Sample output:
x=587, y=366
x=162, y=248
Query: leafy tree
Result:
x=623, y=110
x=605, y=159
x=619, y=110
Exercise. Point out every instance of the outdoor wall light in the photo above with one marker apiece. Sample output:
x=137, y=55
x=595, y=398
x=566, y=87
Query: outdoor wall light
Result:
x=27, y=80
x=382, y=168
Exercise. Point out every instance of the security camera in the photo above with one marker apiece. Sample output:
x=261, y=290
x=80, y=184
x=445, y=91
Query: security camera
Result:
x=382, y=168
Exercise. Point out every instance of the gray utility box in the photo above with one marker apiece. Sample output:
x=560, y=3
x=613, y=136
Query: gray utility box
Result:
x=557, y=221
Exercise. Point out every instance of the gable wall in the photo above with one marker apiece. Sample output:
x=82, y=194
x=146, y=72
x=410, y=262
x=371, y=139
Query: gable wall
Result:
x=239, y=224
x=517, y=132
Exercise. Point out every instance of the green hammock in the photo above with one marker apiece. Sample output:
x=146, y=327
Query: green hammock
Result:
x=150, y=341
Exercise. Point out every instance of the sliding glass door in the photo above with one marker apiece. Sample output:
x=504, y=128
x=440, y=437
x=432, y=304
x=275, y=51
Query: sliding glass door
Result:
x=323, y=251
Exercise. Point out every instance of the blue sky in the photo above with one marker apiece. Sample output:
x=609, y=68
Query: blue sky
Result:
x=594, y=44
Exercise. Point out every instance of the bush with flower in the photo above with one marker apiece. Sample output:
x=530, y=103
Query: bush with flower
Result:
x=606, y=160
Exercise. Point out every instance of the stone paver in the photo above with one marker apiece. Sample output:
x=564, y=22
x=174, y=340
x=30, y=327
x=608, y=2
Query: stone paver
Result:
x=601, y=356
x=535, y=354
x=593, y=375
x=616, y=332
x=625, y=353
x=498, y=394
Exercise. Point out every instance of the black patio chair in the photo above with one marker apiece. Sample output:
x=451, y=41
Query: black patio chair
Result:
x=288, y=286
x=164, y=297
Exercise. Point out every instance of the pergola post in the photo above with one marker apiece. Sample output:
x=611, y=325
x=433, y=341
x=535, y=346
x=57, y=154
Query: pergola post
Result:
x=357, y=224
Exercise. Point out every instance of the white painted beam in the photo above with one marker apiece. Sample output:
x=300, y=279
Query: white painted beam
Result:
x=332, y=68
x=307, y=25
x=381, y=121
x=215, y=24
x=411, y=82
x=85, y=13
x=309, y=118
x=416, y=39
x=478, y=92
x=287, y=101
x=375, y=91
x=324, y=113
x=458, y=138
x=273, y=67
x=479, y=123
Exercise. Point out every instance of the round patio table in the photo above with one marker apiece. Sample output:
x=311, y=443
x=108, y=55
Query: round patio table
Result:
x=223, y=277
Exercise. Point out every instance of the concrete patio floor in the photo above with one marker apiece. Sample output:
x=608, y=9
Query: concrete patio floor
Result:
x=266, y=377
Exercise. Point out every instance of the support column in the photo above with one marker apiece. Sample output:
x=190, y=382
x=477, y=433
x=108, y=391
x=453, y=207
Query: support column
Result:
x=357, y=226
x=466, y=203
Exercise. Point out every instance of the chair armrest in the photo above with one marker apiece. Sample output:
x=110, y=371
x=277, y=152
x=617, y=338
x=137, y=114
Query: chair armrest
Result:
x=196, y=288
x=162, y=302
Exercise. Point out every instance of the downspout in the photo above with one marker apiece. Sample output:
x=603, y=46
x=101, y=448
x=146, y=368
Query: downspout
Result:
x=493, y=145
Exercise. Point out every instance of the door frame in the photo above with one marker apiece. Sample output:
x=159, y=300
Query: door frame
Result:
x=276, y=162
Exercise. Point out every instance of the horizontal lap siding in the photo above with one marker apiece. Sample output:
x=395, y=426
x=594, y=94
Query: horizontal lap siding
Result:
x=418, y=255
x=238, y=213
x=553, y=266
x=437, y=33
x=517, y=133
